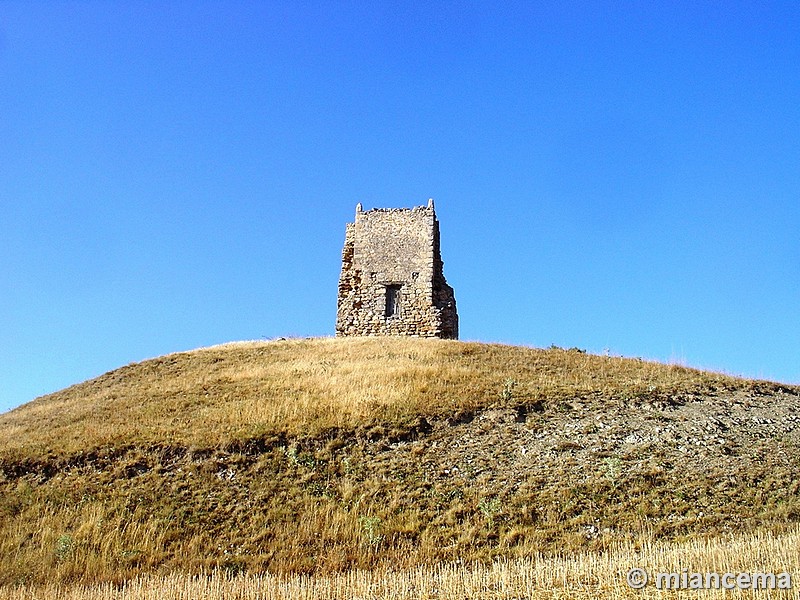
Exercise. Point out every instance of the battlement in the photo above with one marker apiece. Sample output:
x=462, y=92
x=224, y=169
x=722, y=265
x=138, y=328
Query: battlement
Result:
x=392, y=280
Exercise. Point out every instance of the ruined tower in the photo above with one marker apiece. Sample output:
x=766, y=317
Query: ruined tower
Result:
x=392, y=281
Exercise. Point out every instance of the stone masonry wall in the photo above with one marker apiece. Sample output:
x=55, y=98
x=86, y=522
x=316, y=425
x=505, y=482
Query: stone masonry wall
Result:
x=392, y=281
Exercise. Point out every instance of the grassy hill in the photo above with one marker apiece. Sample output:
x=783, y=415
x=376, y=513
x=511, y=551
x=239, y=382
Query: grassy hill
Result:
x=322, y=455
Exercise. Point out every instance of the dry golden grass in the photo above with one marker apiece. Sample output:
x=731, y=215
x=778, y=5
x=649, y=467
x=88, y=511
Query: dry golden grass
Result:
x=537, y=577
x=314, y=456
x=209, y=397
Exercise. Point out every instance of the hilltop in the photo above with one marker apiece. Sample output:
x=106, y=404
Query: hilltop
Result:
x=320, y=455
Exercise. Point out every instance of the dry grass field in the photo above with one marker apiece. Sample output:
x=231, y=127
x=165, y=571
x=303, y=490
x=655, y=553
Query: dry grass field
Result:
x=213, y=396
x=351, y=468
x=580, y=576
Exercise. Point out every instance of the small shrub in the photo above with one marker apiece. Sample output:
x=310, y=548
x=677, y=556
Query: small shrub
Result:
x=489, y=508
x=508, y=390
x=64, y=548
x=612, y=469
x=371, y=527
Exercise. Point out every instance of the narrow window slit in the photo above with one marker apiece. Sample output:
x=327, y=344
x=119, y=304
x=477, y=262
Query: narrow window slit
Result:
x=392, y=300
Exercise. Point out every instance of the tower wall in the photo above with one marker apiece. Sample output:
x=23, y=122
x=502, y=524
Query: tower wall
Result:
x=392, y=281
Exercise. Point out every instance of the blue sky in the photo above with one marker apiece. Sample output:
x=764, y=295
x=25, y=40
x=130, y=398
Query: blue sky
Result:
x=607, y=175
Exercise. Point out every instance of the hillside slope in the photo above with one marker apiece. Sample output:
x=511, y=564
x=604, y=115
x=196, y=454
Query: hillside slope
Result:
x=320, y=455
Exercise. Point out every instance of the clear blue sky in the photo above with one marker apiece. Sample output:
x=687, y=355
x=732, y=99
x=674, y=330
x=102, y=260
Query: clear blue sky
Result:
x=608, y=175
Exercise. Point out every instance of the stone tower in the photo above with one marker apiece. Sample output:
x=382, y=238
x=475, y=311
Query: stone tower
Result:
x=392, y=281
